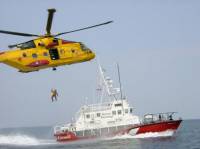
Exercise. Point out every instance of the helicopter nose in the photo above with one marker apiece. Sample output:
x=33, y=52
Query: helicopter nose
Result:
x=92, y=55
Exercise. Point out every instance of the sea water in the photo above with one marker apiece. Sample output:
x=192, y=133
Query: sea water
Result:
x=187, y=137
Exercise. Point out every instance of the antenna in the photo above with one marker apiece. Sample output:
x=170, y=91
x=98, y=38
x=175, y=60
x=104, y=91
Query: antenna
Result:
x=119, y=80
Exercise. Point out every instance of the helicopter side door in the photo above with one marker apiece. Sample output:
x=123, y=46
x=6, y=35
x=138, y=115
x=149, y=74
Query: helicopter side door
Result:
x=54, y=54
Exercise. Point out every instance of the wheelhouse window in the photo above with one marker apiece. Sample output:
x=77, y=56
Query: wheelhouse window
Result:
x=88, y=116
x=131, y=110
x=114, y=112
x=118, y=105
x=34, y=55
x=119, y=112
x=98, y=114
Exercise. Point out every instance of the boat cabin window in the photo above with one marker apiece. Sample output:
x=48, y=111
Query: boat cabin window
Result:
x=119, y=112
x=170, y=117
x=65, y=130
x=114, y=112
x=131, y=110
x=79, y=133
x=27, y=45
x=88, y=116
x=126, y=110
x=118, y=105
x=98, y=114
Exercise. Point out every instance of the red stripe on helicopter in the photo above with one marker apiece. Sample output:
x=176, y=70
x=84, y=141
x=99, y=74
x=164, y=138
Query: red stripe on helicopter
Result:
x=67, y=42
x=52, y=44
x=38, y=63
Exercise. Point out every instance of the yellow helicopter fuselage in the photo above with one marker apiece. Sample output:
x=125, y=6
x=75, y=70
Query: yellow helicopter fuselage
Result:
x=45, y=52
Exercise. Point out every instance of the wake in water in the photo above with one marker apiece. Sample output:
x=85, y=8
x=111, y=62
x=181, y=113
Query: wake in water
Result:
x=155, y=134
x=23, y=140
x=145, y=135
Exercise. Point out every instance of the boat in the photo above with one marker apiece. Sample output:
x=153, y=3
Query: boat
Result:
x=113, y=116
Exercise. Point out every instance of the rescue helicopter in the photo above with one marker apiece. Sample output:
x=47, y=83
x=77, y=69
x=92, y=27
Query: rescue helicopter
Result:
x=46, y=51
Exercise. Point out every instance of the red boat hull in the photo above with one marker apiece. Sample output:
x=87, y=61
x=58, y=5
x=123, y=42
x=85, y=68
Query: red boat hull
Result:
x=160, y=126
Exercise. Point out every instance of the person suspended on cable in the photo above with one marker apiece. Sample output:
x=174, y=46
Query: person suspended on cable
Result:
x=54, y=94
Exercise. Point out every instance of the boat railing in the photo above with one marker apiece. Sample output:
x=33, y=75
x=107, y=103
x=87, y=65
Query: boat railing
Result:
x=158, y=117
x=64, y=128
x=60, y=129
x=96, y=107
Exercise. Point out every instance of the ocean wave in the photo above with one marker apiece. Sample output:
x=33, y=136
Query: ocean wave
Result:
x=19, y=139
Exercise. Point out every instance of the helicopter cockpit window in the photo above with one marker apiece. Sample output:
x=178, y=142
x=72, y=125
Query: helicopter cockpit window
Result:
x=83, y=47
x=27, y=45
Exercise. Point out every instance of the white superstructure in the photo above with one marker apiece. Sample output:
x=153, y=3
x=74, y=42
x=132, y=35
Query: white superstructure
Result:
x=109, y=115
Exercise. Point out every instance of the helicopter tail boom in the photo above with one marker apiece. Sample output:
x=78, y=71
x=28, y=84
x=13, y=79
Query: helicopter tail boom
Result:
x=2, y=57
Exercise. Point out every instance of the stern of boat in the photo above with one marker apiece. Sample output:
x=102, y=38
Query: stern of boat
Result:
x=62, y=133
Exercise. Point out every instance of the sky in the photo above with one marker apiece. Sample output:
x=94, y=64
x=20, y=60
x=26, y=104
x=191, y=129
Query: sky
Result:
x=155, y=42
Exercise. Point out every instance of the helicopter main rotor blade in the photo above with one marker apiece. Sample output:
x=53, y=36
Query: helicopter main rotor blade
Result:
x=49, y=21
x=18, y=34
x=83, y=28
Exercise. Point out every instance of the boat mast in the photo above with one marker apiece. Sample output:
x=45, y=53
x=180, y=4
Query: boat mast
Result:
x=119, y=81
x=107, y=83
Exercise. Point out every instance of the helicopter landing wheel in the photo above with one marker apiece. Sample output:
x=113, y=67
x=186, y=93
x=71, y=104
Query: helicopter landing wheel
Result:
x=54, y=69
